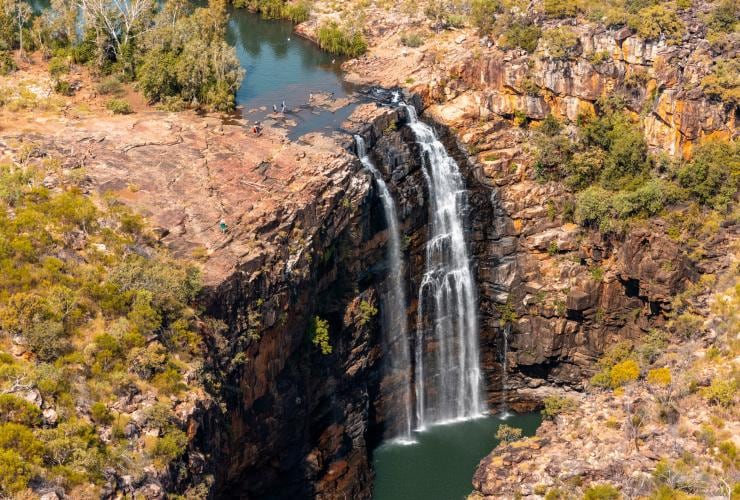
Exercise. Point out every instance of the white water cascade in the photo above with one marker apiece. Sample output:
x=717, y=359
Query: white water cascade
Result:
x=447, y=365
x=394, y=302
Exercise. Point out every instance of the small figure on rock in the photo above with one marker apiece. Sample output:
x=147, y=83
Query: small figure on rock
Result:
x=223, y=226
x=282, y=109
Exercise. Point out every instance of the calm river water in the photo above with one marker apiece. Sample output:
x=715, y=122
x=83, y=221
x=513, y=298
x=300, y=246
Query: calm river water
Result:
x=281, y=66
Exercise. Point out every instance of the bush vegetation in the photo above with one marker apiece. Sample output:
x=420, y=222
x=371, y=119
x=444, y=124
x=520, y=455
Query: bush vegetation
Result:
x=556, y=405
x=119, y=107
x=507, y=434
x=342, y=40
x=318, y=332
x=295, y=11
x=93, y=317
x=608, y=166
x=173, y=50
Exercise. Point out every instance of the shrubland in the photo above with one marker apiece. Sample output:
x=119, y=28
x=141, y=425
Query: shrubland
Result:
x=92, y=313
x=606, y=163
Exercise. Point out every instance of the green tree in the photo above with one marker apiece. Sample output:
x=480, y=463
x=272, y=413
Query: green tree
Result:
x=319, y=333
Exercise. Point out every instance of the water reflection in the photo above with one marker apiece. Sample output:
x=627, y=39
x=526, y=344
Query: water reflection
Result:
x=282, y=66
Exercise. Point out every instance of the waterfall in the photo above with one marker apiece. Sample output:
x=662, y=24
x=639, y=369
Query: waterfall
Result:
x=447, y=374
x=394, y=302
x=504, y=373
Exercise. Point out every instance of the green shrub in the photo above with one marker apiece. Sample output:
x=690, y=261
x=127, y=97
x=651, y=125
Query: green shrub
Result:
x=170, y=446
x=412, y=40
x=483, y=14
x=721, y=392
x=119, y=107
x=63, y=87
x=507, y=434
x=297, y=12
x=561, y=42
x=520, y=34
x=58, y=66
x=339, y=40
x=713, y=174
x=7, y=64
x=555, y=405
x=593, y=208
x=367, y=312
x=560, y=8
x=111, y=85
x=724, y=16
x=15, y=472
x=19, y=411
x=319, y=334
x=657, y=20
x=723, y=82
x=601, y=492
x=100, y=413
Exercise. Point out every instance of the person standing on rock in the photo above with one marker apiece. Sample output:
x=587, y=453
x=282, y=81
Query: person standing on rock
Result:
x=282, y=109
x=223, y=226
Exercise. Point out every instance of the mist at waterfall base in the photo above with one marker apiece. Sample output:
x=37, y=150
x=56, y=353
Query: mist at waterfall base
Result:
x=440, y=466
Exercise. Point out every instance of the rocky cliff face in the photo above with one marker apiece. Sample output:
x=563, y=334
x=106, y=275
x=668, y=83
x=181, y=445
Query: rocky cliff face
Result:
x=294, y=422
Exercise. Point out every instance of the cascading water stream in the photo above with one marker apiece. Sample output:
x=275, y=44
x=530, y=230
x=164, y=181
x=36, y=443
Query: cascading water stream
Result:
x=394, y=302
x=504, y=373
x=447, y=375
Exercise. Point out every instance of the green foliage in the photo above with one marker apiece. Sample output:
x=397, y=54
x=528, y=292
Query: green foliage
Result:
x=560, y=8
x=201, y=71
x=15, y=472
x=520, y=34
x=712, y=176
x=617, y=367
x=507, y=314
x=170, y=446
x=601, y=492
x=318, y=331
x=341, y=40
x=724, y=16
x=100, y=413
x=561, y=42
x=555, y=405
x=507, y=434
x=110, y=85
x=94, y=318
x=723, y=82
x=656, y=21
x=7, y=64
x=119, y=107
x=367, y=312
x=19, y=411
x=483, y=13
x=721, y=392
x=412, y=40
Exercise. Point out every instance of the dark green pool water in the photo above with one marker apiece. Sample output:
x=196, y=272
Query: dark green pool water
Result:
x=441, y=464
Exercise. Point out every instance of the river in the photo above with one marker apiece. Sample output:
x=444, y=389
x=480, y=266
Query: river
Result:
x=282, y=66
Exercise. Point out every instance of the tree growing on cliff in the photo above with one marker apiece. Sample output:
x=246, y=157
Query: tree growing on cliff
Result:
x=318, y=331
